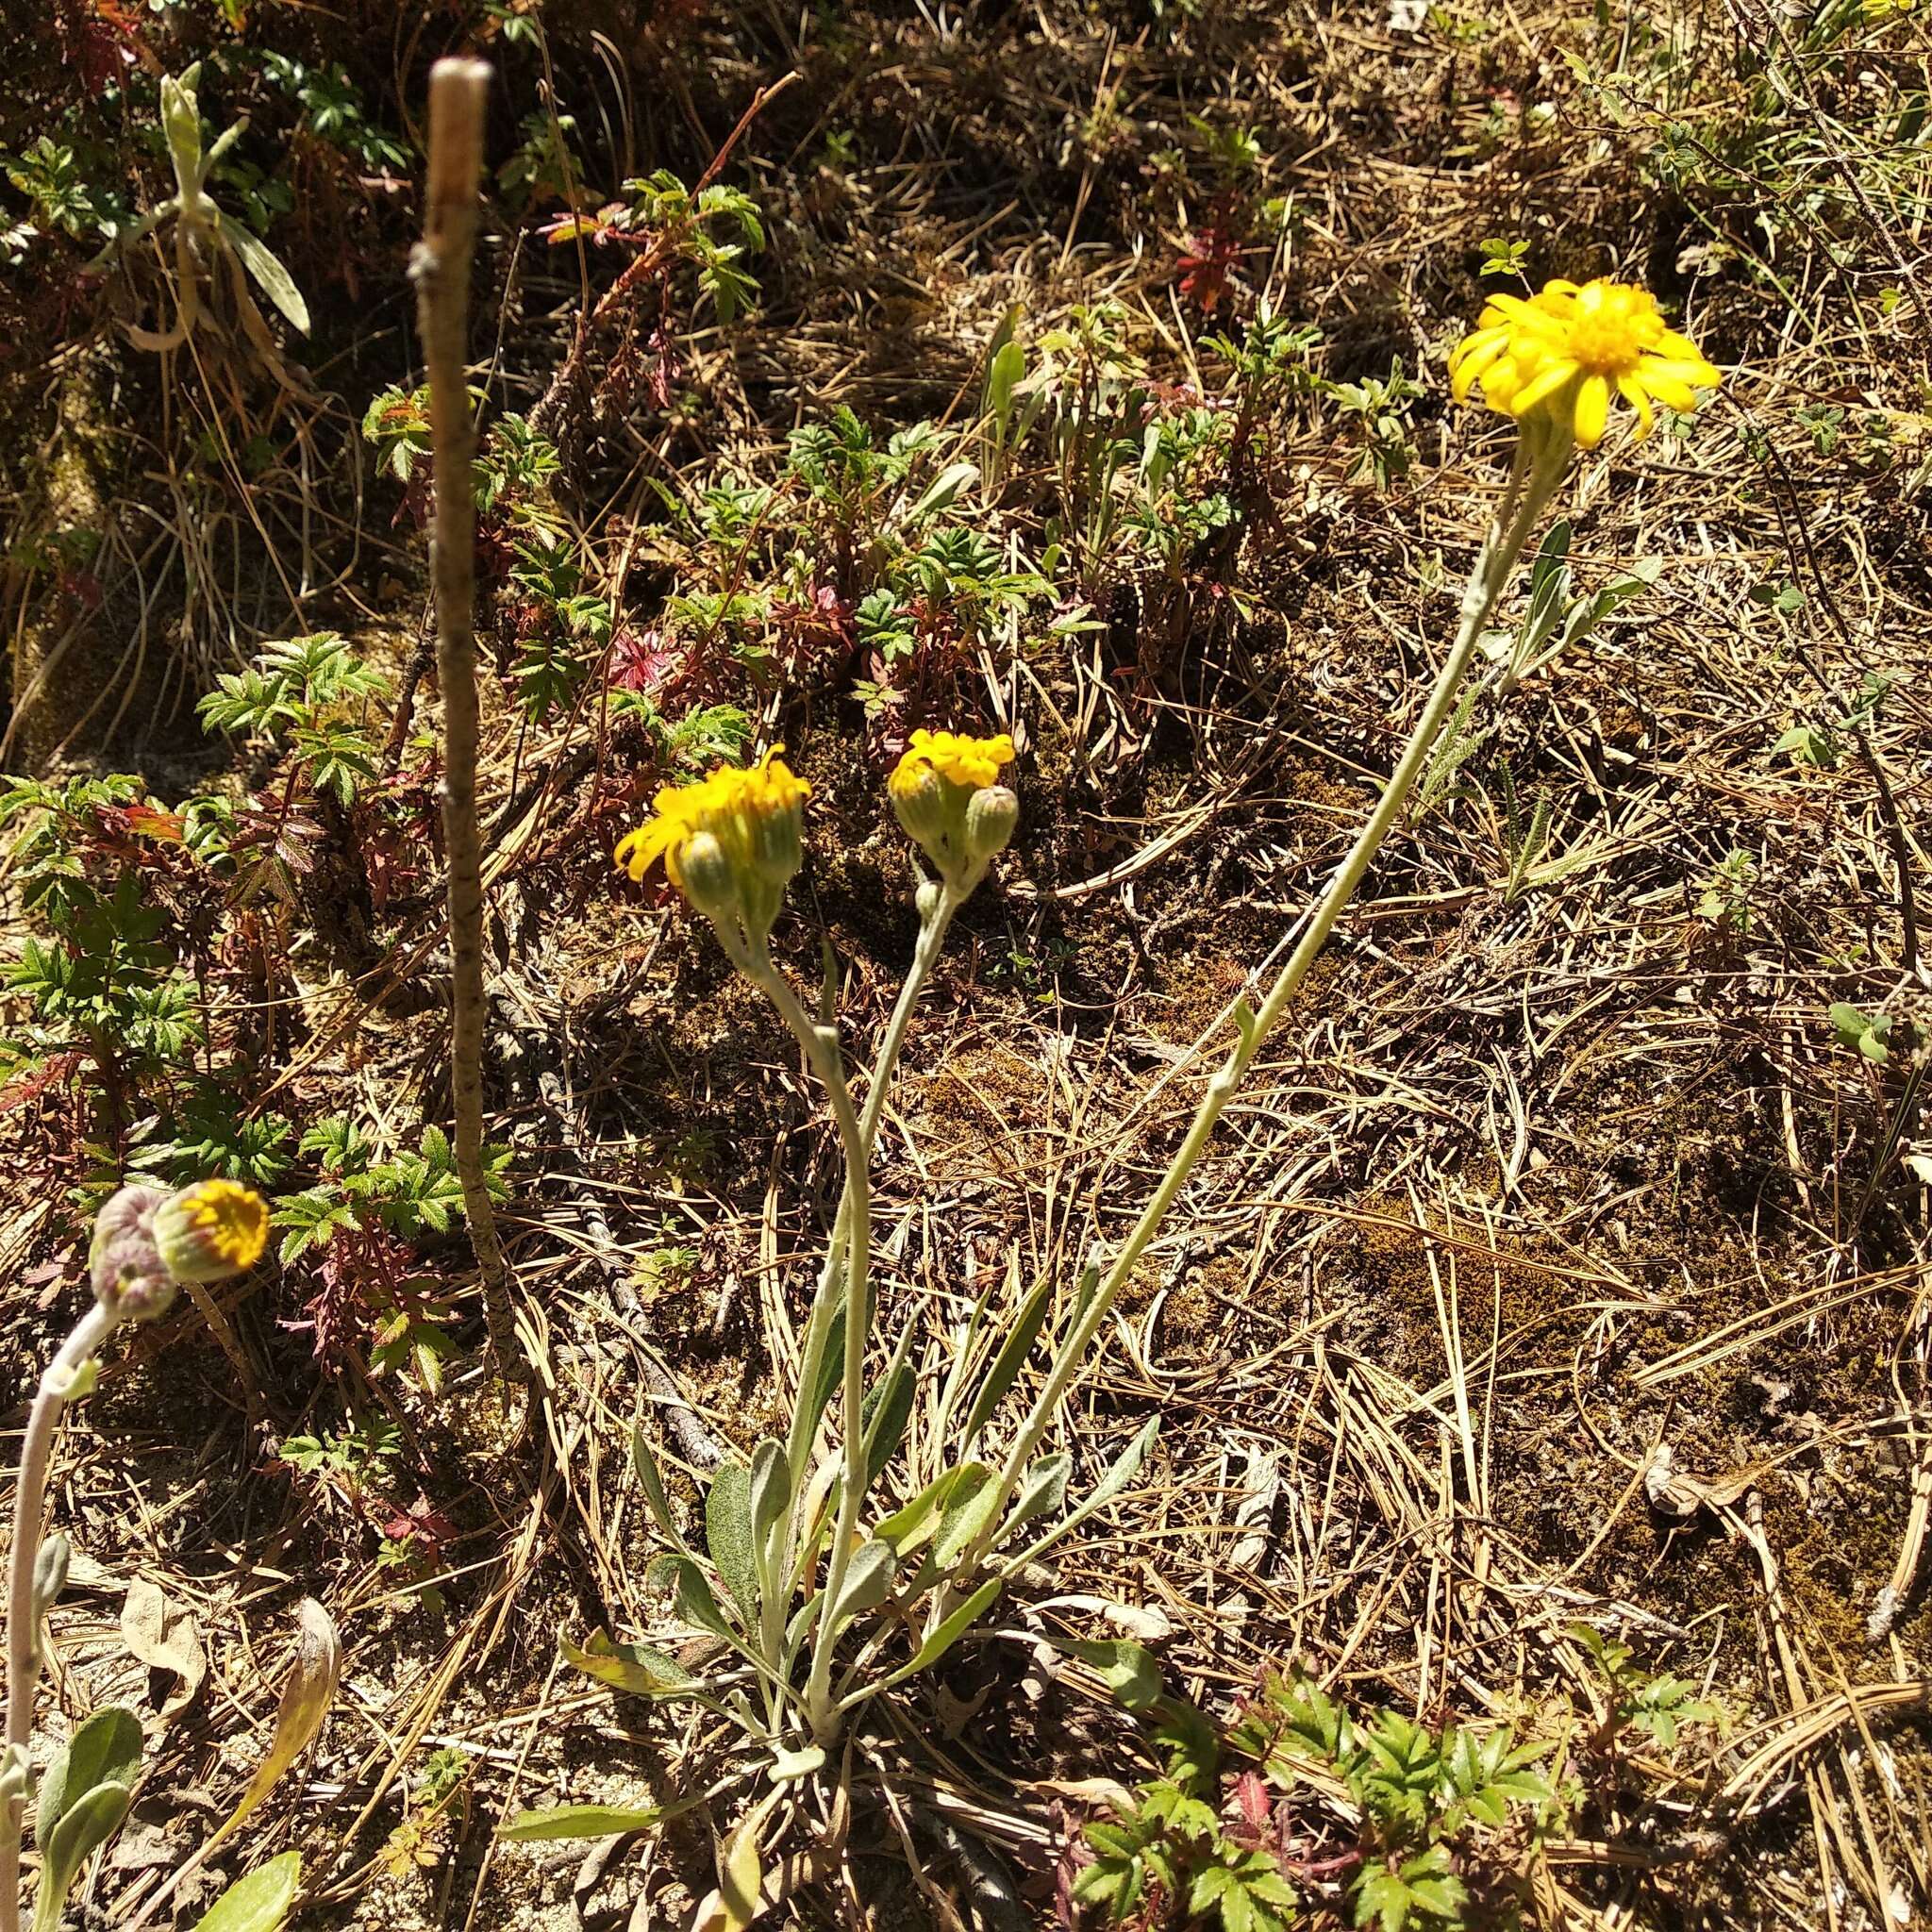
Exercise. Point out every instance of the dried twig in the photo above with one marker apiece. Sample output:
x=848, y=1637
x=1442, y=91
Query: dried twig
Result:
x=441, y=269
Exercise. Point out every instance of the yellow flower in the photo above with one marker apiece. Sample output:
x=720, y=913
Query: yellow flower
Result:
x=211, y=1230
x=1565, y=351
x=972, y=763
x=730, y=843
x=1501, y=354
x=948, y=796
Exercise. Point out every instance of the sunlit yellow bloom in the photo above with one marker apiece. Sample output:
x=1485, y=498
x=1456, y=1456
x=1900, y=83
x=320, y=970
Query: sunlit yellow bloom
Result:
x=947, y=793
x=1501, y=355
x=1563, y=352
x=969, y=761
x=211, y=1230
x=753, y=813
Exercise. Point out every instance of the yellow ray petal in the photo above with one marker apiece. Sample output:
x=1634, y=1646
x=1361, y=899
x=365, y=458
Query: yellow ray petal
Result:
x=1632, y=392
x=1545, y=382
x=1593, y=410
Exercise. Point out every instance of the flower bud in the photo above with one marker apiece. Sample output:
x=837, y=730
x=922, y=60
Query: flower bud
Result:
x=992, y=814
x=926, y=899
x=925, y=810
x=776, y=844
x=705, y=877
x=123, y=1264
x=210, y=1231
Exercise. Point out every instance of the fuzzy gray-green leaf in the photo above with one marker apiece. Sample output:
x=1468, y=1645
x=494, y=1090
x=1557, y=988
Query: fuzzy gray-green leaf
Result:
x=258, y=1903
x=105, y=1750
x=1127, y=1466
x=274, y=280
x=728, y=1537
x=1127, y=1669
x=868, y=1577
x=1043, y=1488
x=579, y=1820
x=948, y=1633
x=969, y=1506
x=85, y=1825
x=646, y=1463
x=692, y=1592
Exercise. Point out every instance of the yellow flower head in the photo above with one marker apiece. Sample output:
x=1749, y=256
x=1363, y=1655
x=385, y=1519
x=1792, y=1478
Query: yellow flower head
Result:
x=730, y=843
x=211, y=1230
x=947, y=793
x=974, y=762
x=1562, y=353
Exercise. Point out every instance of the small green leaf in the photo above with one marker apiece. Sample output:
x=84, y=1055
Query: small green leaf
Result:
x=579, y=1820
x=258, y=1903
x=1245, y=1022
x=692, y=1593
x=1003, y=377
x=645, y=1463
x=948, y=1633
x=742, y=1872
x=1129, y=1670
x=907, y=1530
x=868, y=1577
x=105, y=1750
x=771, y=1489
x=1042, y=1488
x=890, y=1410
x=637, y=1668
x=944, y=489
x=275, y=280
x=1012, y=1357
x=83, y=1827
x=968, y=1509
x=1125, y=1468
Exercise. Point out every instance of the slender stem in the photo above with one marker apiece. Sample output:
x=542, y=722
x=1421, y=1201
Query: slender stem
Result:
x=932, y=933
x=23, y=1621
x=821, y=1044
x=1529, y=487
x=441, y=269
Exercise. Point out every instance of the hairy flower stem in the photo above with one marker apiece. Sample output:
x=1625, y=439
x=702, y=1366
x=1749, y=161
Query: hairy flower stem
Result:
x=1538, y=468
x=805, y=1421
x=440, y=270
x=821, y=1044
x=22, y=1613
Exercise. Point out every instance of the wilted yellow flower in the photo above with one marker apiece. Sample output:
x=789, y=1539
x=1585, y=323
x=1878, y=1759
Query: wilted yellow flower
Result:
x=730, y=843
x=969, y=761
x=1563, y=352
x=210, y=1231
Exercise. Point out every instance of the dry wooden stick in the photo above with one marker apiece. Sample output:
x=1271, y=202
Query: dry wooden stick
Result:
x=440, y=270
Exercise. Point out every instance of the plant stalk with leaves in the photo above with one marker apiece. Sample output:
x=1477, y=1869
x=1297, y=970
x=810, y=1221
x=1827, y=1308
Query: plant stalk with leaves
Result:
x=791, y=1576
x=146, y=1244
x=202, y=230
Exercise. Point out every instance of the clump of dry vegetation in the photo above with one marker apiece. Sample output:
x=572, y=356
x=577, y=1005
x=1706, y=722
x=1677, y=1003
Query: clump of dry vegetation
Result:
x=1534, y=1532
